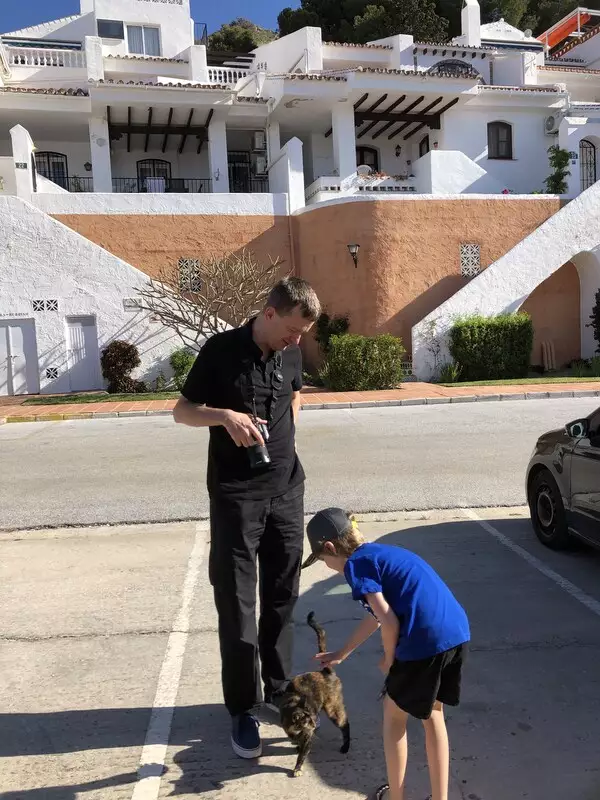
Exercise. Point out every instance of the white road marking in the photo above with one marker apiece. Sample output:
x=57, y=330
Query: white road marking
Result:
x=154, y=752
x=575, y=592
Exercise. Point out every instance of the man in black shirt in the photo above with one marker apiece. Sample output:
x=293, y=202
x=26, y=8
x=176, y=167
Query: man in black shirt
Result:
x=245, y=384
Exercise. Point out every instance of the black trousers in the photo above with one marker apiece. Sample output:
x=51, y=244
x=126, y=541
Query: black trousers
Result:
x=242, y=533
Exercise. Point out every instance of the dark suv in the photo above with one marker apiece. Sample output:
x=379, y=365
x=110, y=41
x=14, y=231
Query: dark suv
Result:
x=563, y=484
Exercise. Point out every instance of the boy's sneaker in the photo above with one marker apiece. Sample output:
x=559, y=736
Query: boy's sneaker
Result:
x=245, y=738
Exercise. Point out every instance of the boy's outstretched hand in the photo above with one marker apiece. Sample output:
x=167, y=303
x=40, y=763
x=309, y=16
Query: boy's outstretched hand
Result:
x=330, y=659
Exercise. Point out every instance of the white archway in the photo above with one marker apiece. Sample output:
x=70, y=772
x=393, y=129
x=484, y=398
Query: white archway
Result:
x=588, y=267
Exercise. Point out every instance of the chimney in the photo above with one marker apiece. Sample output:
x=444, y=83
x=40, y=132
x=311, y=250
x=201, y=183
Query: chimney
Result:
x=471, y=23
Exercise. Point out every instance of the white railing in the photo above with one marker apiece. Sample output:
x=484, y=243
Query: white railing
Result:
x=226, y=76
x=326, y=187
x=38, y=57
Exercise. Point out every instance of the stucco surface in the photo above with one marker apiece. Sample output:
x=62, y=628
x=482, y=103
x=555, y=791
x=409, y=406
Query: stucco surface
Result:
x=42, y=260
x=152, y=242
x=555, y=308
x=409, y=258
x=509, y=281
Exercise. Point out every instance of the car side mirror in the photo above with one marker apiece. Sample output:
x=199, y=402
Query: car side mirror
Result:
x=578, y=429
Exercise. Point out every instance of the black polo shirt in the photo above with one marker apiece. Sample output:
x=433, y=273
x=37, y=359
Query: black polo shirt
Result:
x=226, y=368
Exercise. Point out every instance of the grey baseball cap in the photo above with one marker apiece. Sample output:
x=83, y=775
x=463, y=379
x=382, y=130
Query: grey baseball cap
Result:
x=326, y=526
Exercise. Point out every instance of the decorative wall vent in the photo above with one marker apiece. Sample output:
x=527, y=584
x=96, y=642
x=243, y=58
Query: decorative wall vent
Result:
x=52, y=373
x=131, y=304
x=189, y=275
x=470, y=260
x=45, y=305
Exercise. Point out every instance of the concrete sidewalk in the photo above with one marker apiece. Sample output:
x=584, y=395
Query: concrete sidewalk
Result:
x=109, y=642
x=410, y=394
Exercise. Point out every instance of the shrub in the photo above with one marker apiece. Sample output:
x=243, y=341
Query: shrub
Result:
x=118, y=361
x=450, y=373
x=580, y=368
x=327, y=327
x=492, y=348
x=595, y=321
x=594, y=371
x=360, y=363
x=181, y=362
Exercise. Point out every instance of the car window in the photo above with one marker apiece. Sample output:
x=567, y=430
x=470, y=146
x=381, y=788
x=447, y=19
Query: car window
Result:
x=595, y=423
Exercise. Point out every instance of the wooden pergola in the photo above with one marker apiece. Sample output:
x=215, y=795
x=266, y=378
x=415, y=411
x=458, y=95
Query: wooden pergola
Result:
x=166, y=129
x=429, y=116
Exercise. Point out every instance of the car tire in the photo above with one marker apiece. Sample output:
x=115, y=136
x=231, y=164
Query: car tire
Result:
x=548, y=514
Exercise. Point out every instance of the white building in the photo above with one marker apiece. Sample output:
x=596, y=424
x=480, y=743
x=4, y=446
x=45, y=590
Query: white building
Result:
x=120, y=112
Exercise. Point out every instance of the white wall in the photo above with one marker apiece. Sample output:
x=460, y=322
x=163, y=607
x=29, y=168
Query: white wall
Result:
x=466, y=130
x=73, y=29
x=588, y=268
x=8, y=184
x=187, y=165
x=173, y=204
x=505, y=285
x=449, y=172
x=287, y=53
x=286, y=174
x=47, y=260
x=508, y=70
x=78, y=154
x=173, y=19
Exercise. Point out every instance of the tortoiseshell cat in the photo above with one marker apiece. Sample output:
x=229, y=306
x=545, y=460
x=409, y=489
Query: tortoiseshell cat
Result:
x=304, y=699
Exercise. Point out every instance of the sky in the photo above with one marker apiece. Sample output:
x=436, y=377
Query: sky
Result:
x=15, y=15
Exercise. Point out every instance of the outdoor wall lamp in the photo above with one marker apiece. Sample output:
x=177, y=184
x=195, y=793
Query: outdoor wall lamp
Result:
x=353, y=250
x=398, y=151
x=87, y=166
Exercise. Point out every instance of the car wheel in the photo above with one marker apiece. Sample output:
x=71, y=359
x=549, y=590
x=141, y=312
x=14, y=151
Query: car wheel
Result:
x=548, y=512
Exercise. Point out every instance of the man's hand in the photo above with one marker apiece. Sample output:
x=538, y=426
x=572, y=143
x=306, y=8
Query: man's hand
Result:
x=242, y=429
x=330, y=659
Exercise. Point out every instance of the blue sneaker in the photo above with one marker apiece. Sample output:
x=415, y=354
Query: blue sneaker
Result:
x=245, y=738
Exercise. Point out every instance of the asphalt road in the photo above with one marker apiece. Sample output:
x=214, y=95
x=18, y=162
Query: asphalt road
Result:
x=108, y=642
x=372, y=459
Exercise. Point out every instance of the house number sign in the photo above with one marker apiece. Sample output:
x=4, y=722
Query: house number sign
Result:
x=20, y=165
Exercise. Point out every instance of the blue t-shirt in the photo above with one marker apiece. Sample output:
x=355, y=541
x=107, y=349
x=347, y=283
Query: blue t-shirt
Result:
x=431, y=619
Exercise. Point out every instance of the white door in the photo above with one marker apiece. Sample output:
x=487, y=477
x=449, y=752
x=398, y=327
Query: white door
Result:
x=82, y=354
x=19, y=370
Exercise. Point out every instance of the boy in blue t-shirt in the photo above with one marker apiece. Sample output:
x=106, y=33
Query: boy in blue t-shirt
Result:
x=424, y=631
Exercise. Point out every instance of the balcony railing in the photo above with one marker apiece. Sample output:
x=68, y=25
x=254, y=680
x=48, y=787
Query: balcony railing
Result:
x=161, y=185
x=38, y=57
x=226, y=76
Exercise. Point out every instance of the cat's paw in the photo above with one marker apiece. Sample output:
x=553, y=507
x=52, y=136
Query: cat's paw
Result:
x=296, y=773
x=345, y=747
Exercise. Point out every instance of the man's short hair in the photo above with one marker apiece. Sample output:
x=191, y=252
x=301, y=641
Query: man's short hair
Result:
x=291, y=293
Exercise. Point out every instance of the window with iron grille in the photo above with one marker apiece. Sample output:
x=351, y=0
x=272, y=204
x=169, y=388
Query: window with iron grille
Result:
x=470, y=260
x=189, y=275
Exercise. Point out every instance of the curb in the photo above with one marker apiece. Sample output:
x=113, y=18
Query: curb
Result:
x=414, y=401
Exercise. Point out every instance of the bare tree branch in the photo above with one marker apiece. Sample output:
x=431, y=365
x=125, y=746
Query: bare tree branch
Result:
x=211, y=297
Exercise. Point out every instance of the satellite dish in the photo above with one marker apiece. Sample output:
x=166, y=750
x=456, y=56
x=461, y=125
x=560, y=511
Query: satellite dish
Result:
x=528, y=33
x=363, y=170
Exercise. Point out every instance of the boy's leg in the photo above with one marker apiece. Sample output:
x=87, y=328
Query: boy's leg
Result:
x=438, y=752
x=395, y=746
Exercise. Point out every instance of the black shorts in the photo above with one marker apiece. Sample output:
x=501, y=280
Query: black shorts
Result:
x=415, y=685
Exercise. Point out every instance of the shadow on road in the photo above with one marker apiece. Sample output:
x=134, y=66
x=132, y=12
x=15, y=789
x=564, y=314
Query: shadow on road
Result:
x=70, y=792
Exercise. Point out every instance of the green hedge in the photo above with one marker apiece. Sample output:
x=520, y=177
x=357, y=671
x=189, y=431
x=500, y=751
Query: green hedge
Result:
x=492, y=348
x=181, y=361
x=360, y=363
